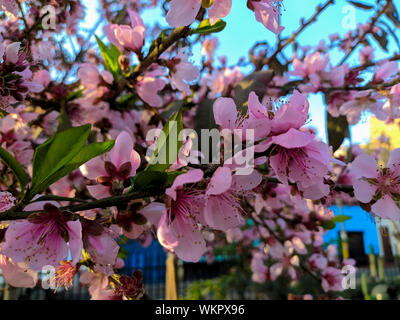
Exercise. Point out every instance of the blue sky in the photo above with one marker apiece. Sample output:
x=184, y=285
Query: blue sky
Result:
x=242, y=31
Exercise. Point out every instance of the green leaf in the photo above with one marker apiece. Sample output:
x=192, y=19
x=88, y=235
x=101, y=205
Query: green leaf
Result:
x=150, y=179
x=328, y=224
x=341, y=218
x=88, y=152
x=74, y=95
x=64, y=122
x=85, y=154
x=14, y=165
x=338, y=130
x=167, y=145
x=54, y=153
x=110, y=57
x=206, y=28
x=257, y=82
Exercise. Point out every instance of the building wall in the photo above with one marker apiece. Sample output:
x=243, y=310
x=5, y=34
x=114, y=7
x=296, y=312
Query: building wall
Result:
x=360, y=221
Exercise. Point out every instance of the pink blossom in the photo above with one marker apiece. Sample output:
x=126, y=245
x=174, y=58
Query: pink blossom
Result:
x=267, y=12
x=130, y=38
x=149, y=85
x=360, y=102
x=332, y=279
x=7, y=201
x=380, y=184
x=317, y=262
x=297, y=156
x=178, y=228
x=121, y=164
x=182, y=12
x=227, y=116
x=286, y=260
x=386, y=70
x=222, y=210
x=44, y=238
x=152, y=214
x=392, y=105
x=17, y=274
x=182, y=71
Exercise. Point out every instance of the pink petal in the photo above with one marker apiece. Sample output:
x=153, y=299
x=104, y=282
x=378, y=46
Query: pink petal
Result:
x=135, y=19
x=136, y=231
x=219, y=10
x=256, y=109
x=99, y=191
x=293, y=139
x=94, y=168
x=17, y=275
x=386, y=208
x=103, y=249
x=135, y=161
x=221, y=215
x=225, y=113
x=121, y=152
x=75, y=240
x=191, y=176
x=12, y=51
x=394, y=161
x=182, y=12
x=220, y=181
x=363, y=190
x=191, y=245
x=364, y=166
x=153, y=212
x=244, y=183
x=164, y=235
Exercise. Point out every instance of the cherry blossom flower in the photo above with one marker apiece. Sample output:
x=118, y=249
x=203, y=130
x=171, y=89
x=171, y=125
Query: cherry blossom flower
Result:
x=182, y=72
x=378, y=184
x=222, y=210
x=110, y=175
x=178, y=228
x=129, y=38
x=7, y=201
x=360, y=102
x=287, y=260
x=17, y=274
x=332, y=279
x=44, y=238
x=267, y=12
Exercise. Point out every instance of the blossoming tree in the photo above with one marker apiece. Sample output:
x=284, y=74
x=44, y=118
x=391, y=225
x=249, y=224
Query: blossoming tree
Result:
x=100, y=135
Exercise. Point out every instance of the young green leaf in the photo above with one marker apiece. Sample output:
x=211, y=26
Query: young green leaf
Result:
x=14, y=165
x=85, y=154
x=110, y=57
x=341, y=218
x=56, y=152
x=167, y=145
x=206, y=28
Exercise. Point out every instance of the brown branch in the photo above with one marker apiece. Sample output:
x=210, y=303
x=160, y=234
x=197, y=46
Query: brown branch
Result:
x=160, y=48
x=304, y=25
x=370, y=29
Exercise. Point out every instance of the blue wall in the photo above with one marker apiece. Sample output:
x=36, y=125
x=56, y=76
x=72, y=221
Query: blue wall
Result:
x=360, y=221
